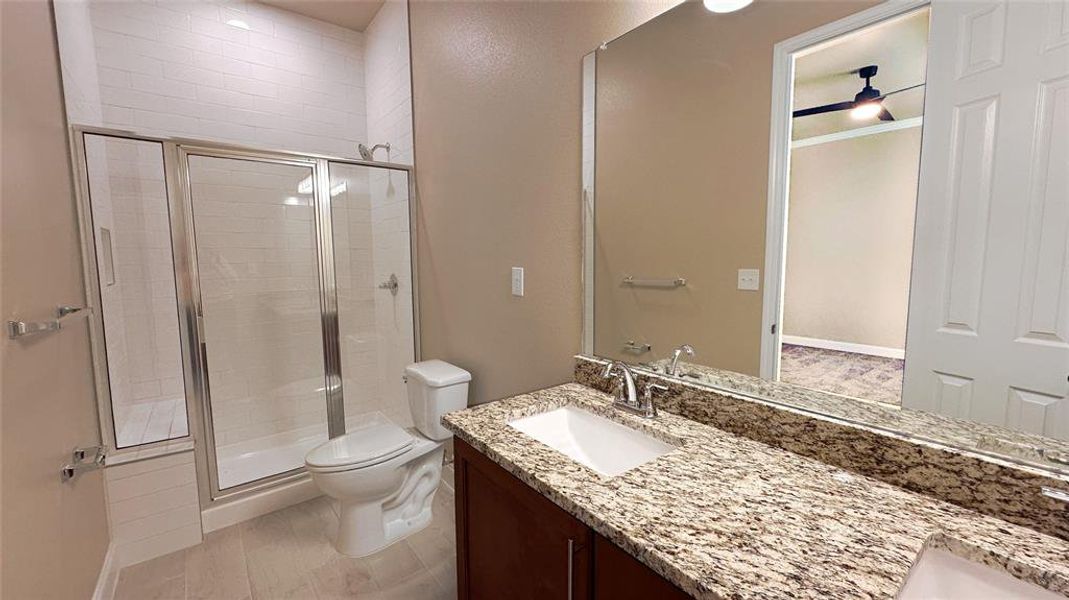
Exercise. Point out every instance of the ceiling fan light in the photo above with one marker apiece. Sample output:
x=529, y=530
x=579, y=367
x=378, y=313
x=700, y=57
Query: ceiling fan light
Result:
x=726, y=6
x=866, y=110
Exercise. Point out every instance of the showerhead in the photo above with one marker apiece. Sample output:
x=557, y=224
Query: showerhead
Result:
x=369, y=153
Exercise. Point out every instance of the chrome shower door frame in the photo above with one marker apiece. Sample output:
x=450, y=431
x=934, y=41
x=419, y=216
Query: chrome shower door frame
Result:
x=93, y=301
x=335, y=405
x=176, y=153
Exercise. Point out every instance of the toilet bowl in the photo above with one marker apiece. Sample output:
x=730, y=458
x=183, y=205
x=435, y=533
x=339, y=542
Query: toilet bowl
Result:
x=383, y=476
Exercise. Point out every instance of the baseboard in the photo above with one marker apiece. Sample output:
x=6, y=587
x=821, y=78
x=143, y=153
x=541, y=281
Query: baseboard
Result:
x=883, y=351
x=109, y=575
x=224, y=513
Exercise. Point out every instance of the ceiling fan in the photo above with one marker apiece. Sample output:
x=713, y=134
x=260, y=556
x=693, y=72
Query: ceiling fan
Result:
x=866, y=104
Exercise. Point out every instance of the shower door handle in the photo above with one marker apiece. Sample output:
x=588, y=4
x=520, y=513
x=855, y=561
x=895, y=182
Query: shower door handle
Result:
x=109, y=256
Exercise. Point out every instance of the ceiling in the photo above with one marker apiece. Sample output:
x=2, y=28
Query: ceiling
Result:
x=351, y=14
x=827, y=74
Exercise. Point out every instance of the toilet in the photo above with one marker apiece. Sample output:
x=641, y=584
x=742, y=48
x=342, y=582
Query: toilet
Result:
x=383, y=476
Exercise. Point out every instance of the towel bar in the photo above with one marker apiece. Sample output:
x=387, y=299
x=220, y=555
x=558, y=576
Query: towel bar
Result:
x=660, y=283
x=64, y=314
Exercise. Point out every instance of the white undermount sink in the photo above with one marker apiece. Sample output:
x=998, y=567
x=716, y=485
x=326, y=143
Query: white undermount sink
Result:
x=940, y=575
x=595, y=442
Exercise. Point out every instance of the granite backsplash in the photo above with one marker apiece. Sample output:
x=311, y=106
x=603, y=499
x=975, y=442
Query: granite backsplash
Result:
x=987, y=485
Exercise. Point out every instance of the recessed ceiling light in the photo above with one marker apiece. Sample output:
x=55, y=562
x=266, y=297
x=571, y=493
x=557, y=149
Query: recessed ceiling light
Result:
x=726, y=6
x=238, y=23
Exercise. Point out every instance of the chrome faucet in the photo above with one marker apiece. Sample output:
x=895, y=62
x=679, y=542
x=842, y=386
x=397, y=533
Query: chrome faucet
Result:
x=625, y=384
x=626, y=395
x=687, y=349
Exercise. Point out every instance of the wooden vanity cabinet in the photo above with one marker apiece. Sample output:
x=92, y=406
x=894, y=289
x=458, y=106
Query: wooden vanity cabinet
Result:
x=620, y=576
x=512, y=542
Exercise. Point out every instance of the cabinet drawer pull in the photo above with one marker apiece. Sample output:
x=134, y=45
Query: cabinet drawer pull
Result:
x=571, y=567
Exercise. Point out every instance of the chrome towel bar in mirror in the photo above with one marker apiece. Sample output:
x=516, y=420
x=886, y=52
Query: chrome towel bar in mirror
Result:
x=661, y=283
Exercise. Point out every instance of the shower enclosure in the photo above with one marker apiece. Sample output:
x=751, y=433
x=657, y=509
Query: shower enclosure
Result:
x=260, y=301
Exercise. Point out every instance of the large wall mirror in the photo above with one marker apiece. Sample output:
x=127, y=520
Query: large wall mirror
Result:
x=867, y=201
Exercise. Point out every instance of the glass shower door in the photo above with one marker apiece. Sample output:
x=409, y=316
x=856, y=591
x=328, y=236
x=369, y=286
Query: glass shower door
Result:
x=129, y=216
x=370, y=211
x=262, y=327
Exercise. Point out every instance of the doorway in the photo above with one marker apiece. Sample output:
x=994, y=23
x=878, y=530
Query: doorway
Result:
x=842, y=213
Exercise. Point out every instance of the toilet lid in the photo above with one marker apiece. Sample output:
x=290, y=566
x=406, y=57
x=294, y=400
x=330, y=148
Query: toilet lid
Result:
x=366, y=445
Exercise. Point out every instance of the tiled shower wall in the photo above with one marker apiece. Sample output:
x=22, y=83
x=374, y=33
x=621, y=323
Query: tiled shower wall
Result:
x=232, y=71
x=389, y=118
x=351, y=219
x=260, y=292
x=192, y=69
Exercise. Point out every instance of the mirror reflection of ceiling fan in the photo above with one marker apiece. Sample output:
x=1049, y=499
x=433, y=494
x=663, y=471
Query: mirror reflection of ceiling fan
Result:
x=866, y=104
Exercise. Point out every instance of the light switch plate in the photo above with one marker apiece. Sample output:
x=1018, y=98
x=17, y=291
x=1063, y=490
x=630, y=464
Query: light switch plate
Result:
x=517, y=281
x=750, y=279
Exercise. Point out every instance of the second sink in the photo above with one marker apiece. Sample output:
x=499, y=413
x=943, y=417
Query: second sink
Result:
x=595, y=442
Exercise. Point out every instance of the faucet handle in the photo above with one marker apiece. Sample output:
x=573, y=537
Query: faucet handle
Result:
x=647, y=397
x=654, y=387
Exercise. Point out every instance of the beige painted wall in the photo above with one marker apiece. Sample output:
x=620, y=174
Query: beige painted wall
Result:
x=54, y=535
x=497, y=107
x=850, y=239
x=682, y=176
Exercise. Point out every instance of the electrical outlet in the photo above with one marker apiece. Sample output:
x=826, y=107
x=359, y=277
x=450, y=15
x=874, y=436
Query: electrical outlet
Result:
x=517, y=281
x=749, y=279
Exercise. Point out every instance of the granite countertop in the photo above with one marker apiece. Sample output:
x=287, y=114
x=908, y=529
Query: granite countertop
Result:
x=727, y=517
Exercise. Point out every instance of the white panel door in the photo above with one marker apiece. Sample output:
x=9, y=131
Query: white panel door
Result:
x=988, y=332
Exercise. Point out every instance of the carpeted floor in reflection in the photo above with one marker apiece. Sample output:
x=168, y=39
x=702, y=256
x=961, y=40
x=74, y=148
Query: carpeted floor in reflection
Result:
x=846, y=373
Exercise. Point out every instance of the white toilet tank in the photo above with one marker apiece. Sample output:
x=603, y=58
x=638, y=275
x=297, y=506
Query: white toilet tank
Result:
x=435, y=387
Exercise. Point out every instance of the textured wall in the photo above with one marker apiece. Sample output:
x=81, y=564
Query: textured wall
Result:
x=497, y=88
x=54, y=535
x=682, y=176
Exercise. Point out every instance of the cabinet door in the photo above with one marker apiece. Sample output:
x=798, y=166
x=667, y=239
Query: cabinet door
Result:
x=511, y=541
x=619, y=576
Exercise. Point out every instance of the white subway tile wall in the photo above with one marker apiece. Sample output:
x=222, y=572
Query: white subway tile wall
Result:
x=389, y=119
x=232, y=71
x=371, y=320
x=137, y=287
x=153, y=507
x=389, y=81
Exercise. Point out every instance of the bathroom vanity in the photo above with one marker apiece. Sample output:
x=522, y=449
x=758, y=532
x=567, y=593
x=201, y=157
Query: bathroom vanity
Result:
x=511, y=537
x=802, y=450
x=718, y=515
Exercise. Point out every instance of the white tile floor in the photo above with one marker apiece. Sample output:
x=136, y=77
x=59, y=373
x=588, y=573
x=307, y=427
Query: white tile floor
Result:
x=147, y=422
x=288, y=554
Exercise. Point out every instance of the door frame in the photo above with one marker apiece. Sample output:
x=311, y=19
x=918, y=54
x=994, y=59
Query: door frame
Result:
x=183, y=198
x=187, y=286
x=779, y=162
